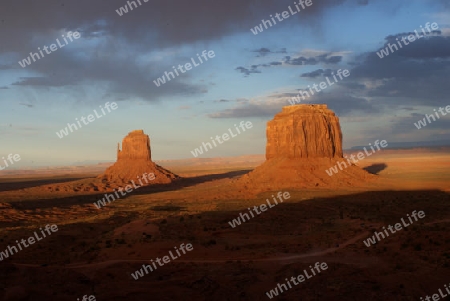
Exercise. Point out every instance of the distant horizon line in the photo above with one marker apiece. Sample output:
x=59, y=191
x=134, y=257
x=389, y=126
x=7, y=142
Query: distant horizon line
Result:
x=92, y=163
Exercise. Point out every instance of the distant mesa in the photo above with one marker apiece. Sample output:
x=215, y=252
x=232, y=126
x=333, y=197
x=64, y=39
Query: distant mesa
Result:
x=302, y=142
x=134, y=160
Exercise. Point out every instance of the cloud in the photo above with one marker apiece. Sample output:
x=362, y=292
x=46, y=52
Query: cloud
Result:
x=265, y=51
x=415, y=75
x=123, y=76
x=112, y=49
x=317, y=57
x=326, y=58
x=317, y=73
x=339, y=101
x=247, y=72
x=164, y=23
x=251, y=109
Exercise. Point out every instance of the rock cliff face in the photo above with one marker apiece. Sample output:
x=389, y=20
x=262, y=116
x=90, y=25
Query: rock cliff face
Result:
x=135, y=146
x=304, y=131
x=134, y=160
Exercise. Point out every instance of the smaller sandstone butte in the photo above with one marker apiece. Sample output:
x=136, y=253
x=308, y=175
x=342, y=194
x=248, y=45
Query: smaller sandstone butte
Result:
x=303, y=141
x=135, y=146
x=134, y=160
x=304, y=131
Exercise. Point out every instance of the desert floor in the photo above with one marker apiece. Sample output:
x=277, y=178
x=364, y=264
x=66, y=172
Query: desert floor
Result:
x=95, y=250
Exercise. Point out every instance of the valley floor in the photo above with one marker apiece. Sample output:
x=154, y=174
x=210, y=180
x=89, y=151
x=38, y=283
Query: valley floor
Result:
x=95, y=251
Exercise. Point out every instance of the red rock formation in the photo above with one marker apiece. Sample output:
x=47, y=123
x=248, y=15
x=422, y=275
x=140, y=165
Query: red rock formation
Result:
x=135, y=146
x=134, y=160
x=303, y=141
x=304, y=131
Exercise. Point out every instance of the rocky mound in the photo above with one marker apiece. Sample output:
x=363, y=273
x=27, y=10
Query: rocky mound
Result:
x=303, y=142
x=135, y=160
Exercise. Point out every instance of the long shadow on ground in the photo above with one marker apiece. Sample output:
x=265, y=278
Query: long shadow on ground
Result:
x=26, y=183
x=67, y=202
x=375, y=168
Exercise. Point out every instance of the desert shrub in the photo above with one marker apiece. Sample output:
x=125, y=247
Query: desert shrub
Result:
x=120, y=241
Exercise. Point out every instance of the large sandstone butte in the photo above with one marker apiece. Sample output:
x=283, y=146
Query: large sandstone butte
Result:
x=134, y=160
x=304, y=131
x=303, y=141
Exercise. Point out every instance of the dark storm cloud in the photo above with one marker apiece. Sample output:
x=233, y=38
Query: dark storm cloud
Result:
x=416, y=74
x=124, y=76
x=155, y=25
x=433, y=47
x=166, y=22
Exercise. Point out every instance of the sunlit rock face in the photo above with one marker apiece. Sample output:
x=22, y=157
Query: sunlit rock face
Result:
x=304, y=131
x=135, y=146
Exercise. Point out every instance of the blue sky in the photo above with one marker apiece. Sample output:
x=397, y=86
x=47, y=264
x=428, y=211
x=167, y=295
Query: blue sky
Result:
x=117, y=58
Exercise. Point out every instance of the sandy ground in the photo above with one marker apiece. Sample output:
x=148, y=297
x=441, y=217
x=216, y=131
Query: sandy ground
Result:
x=95, y=250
